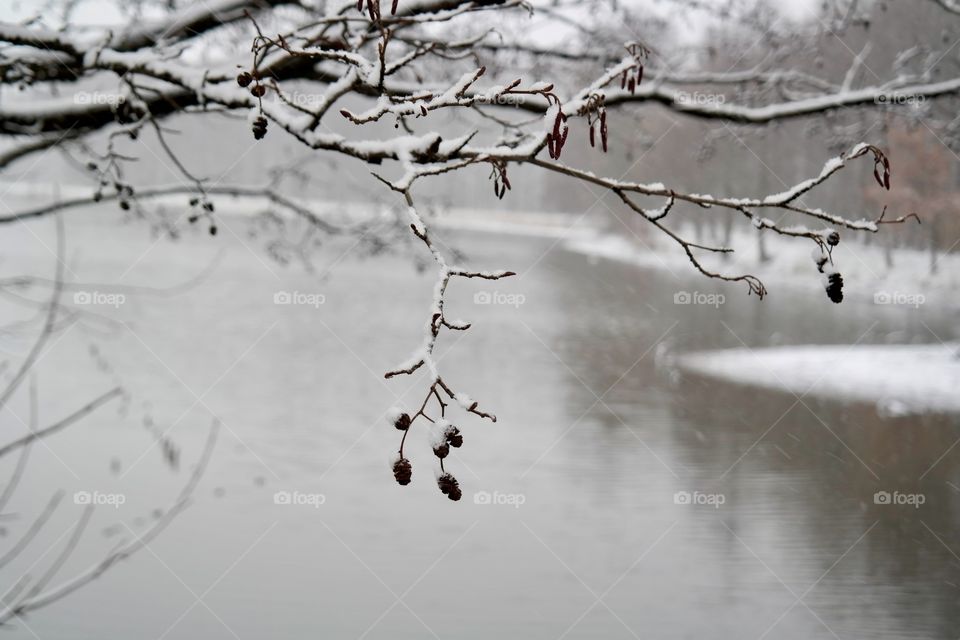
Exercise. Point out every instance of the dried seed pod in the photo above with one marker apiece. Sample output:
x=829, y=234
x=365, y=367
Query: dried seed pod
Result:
x=441, y=450
x=244, y=79
x=453, y=436
x=835, y=287
x=833, y=238
x=449, y=486
x=402, y=423
x=258, y=90
x=402, y=471
x=259, y=127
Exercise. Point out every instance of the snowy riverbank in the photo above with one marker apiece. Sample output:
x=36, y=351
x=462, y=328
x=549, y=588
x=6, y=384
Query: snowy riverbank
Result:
x=900, y=379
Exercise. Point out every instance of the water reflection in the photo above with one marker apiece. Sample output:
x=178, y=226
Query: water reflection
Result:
x=798, y=476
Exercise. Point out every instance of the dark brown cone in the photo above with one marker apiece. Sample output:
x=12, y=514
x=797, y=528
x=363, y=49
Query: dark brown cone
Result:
x=453, y=436
x=835, y=288
x=441, y=450
x=402, y=471
x=403, y=422
x=449, y=486
x=259, y=127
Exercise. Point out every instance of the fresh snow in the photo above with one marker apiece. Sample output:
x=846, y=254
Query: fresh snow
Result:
x=900, y=379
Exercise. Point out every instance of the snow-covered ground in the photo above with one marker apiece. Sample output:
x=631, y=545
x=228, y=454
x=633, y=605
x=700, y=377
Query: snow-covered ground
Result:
x=901, y=379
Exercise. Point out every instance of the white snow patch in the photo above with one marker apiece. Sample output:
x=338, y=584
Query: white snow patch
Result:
x=900, y=379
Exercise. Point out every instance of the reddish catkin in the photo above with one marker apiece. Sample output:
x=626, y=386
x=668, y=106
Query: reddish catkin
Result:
x=603, y=130
x=558, y=137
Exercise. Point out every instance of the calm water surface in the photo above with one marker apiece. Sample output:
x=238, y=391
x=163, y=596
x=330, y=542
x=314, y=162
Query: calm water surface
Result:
x=596, y=436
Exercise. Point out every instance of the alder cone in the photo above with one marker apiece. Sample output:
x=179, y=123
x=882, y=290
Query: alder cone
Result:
x=449, y=486
x=454, y=438
x=402, y=471
x=259, y=127
x=835, y=288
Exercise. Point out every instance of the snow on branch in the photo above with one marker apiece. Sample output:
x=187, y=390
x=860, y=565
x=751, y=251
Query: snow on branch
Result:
x=438, y=389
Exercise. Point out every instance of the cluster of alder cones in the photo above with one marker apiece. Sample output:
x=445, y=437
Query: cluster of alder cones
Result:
x=447, y=436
